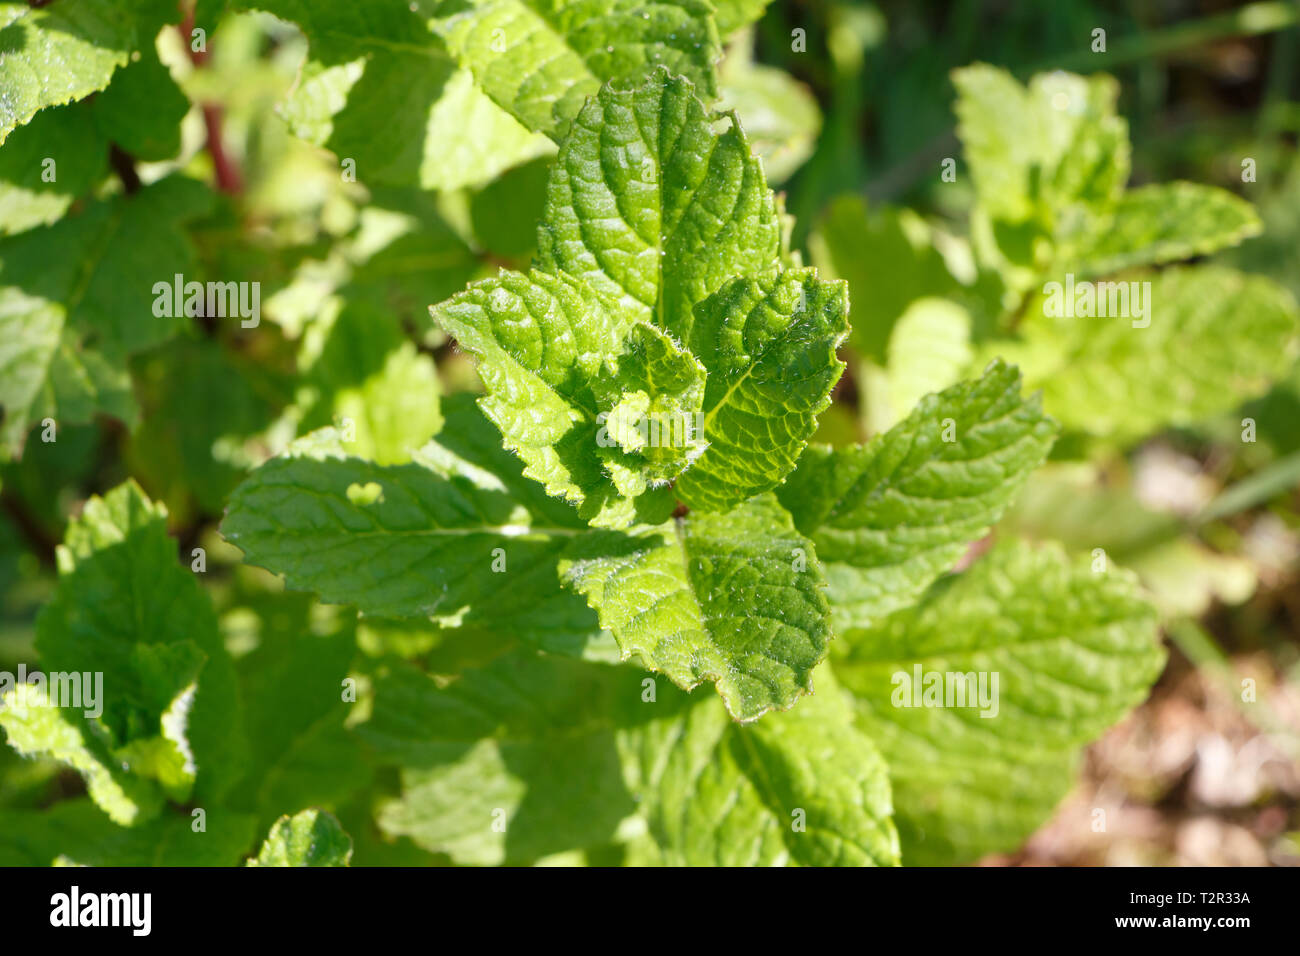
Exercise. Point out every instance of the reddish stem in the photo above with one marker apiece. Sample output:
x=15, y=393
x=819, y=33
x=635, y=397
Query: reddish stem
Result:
x=229, y=178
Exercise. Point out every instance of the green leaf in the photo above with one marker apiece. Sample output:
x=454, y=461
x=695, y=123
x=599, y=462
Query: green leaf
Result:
x=101, y=264
x=89, y=278
x=547, y=614
x=309, y=838
x=358, y=370
x=1162, y=223
x=56, y=53
x=469, y=446
x=769, y=346
x=890, y=516
x=509, y=762
x=804, y=787
x=35, y=727
x=29, y=336
x=142, y=110
x=47, y=164
x=443, y=133
x=1072, y=651
x=438, y=130
x=404, y=549
x=1080, y=506
x=779, y=114
x=76, y=833
x=1212, y=338
x=929, y=349
x=504, y=214
x=1048, y=161
x=82, y=383
x=301, y=754
x=396, y=410
x=541, y=59
x=125, y=607
x=734, y=14
x=733, y=599
x=888, y=261
x=568, y=383
x=653, y=208
x=654, y=399
x=534, y=755
x=166, y=679
x=1036, y=151
x=442, y=537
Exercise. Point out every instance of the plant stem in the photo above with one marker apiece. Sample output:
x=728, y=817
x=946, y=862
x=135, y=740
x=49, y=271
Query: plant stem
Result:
x=1250, y=20
x=1256, y=489
x=124, y=165
x=229, y=178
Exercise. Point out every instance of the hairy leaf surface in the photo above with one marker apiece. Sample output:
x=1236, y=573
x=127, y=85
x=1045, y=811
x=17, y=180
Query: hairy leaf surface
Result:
x=569, y=385
x=769, y=347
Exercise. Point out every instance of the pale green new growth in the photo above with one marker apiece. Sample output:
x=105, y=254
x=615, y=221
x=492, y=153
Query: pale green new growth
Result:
x=676, y=209
x=557, y=365
x=1050, y=163
x=769, y=347
x=1036, y=151
x=1139, y=351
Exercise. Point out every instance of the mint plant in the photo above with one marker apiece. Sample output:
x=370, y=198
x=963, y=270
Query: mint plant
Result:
x=645, y=302
x=1057, y=240
x=611, y=598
